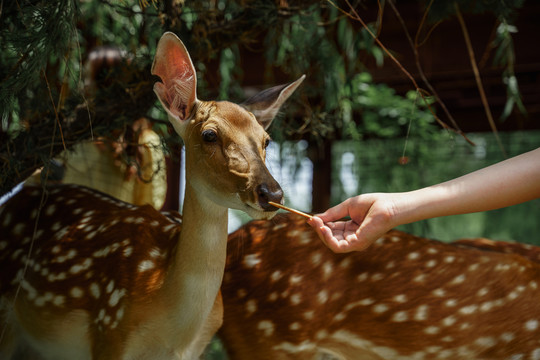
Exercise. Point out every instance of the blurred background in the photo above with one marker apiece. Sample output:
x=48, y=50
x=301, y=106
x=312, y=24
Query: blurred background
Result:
x=397, y=96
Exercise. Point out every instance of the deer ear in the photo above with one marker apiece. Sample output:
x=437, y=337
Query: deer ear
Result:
x=177, y=93
x=266, y=104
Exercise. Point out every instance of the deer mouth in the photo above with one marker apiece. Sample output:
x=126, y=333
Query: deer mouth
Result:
x=256, y=211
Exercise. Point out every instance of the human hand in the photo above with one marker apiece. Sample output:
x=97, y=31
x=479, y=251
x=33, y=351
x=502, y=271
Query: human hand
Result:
x=371, y=216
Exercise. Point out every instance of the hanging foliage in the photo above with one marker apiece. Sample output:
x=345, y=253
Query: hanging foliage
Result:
x=46, y=107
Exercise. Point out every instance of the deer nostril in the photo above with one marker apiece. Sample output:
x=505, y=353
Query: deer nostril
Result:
x=266, y=194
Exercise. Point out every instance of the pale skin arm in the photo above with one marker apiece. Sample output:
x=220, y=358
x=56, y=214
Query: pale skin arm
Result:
x=509, y=182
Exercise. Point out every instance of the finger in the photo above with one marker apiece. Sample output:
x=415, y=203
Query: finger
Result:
x=317, y=225
x=335, y=213
x=315, y=222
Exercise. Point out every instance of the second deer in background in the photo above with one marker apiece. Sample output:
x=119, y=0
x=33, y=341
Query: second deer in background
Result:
x=286, y=296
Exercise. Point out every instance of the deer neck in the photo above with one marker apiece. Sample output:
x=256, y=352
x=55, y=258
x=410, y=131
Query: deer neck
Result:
x=202, y=246
x=203, y=240
x=197, y=267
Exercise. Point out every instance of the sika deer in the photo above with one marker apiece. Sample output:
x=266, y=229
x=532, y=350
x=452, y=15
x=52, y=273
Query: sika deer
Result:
x=286, y=296
x=85, y=276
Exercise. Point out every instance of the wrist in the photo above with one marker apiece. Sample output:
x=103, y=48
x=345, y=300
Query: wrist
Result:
x=409, y=207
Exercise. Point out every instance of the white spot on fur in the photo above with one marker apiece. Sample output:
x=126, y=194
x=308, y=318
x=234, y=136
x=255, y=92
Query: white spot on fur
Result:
x=276, y=275
x=482, y=292
x=469, y=309
x=294, y=326
x=31, y=292
x=296, y=299
x=401, y=298
x=431, y=263
x=363, y=302
x=120, y=314
x=19, y=229
x=316, y=258
x=50, y=210
x=458, y=279
x=507, y=336
x=293, y=233
x=128, y=250
x=295, y=279
x=252, y=260
x=145, y=265
x=449, y=259
x=267, y=327
x=154, y=253
x=110, y=287
x=346, y=263
x=535, y=354
x=309, y=315
x=362, y=277
x=322, y=296
x=115, y=297
x=421, y=313
x=380, y=308
x=486, y=341
x=251, y=306
x=77, y=268
x=439, y=292
x=58, y=300
x=94, y=290
x=432, y=330
x=400, y=316
x=327, y=270
x=102, y=252
x=279, y=226
x=531, y=325
x=449, y=320
x=76, y=292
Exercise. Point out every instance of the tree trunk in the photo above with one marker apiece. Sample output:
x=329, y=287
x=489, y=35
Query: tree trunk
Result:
x=320, y=154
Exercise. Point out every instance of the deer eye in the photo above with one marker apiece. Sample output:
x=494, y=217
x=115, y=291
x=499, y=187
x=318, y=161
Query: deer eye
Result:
x=266, y=143
x=209, y=136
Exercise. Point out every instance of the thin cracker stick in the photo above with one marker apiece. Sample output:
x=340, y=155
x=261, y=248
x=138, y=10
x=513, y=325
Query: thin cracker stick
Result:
x=289, y=209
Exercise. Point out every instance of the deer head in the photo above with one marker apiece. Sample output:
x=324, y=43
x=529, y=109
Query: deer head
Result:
x=229, y=139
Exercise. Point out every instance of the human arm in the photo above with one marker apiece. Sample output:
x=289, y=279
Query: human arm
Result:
x=509, y=182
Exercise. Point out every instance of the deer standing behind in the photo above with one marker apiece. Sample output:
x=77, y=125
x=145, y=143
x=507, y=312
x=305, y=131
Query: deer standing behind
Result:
x=86, y=276
x=286, y=296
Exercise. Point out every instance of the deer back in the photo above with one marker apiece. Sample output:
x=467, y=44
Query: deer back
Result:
x=286, y=296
